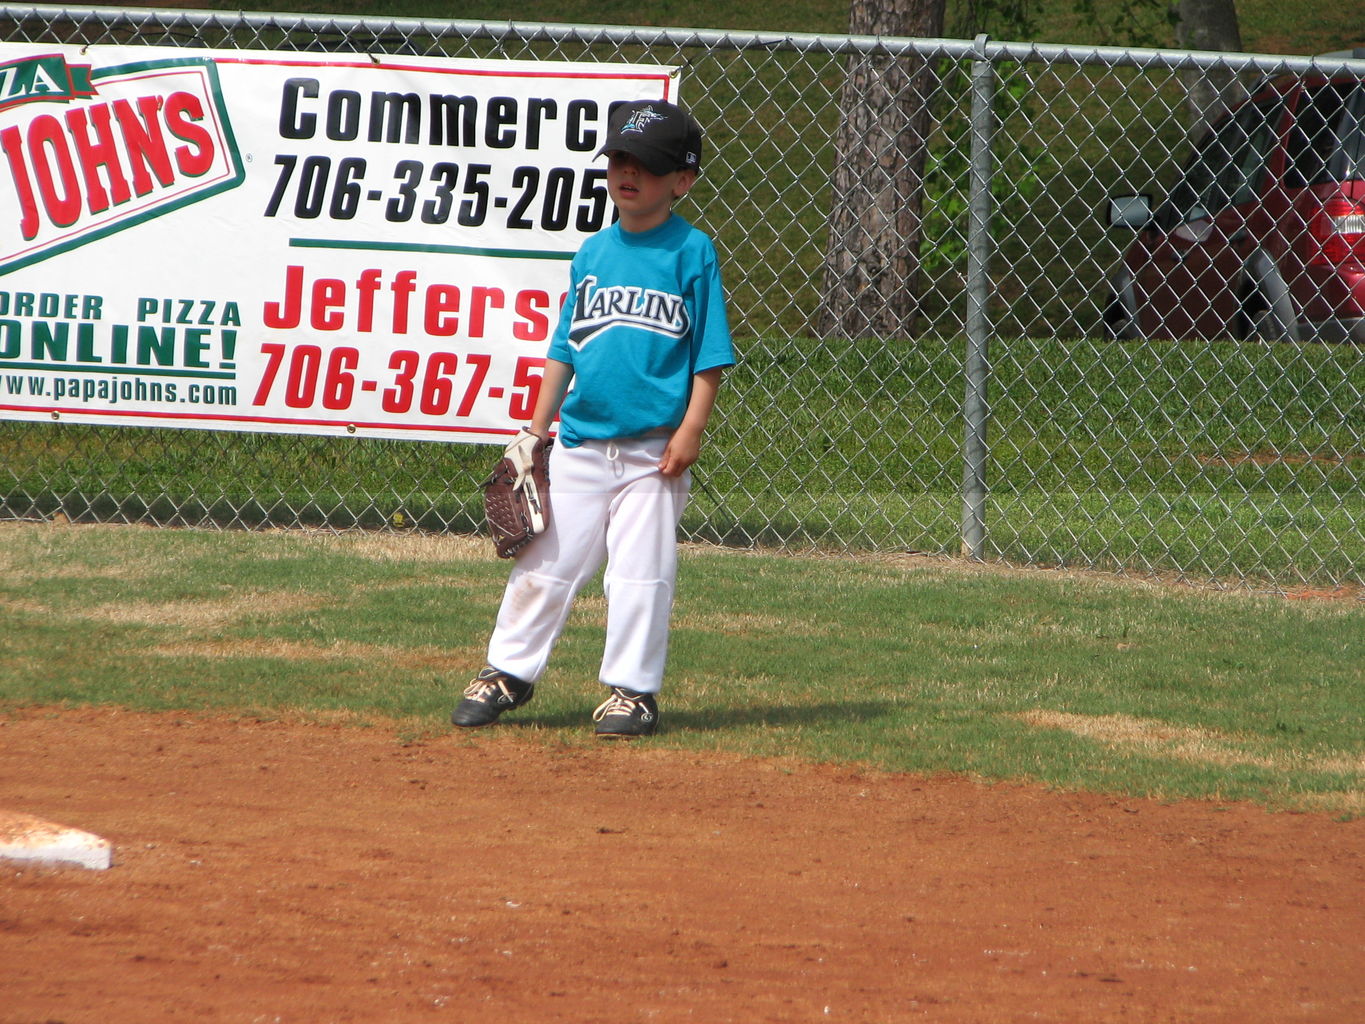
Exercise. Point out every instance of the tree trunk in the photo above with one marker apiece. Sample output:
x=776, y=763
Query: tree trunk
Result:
x=872, y=263
x=1209, y=25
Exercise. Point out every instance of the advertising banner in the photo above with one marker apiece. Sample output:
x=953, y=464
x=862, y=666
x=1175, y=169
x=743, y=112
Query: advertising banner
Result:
x=316, y=244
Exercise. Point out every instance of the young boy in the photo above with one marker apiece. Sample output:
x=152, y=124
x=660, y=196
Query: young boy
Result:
x=643, y=340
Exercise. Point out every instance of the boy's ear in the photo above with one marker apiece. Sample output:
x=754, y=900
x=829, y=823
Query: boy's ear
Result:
x=687, y=177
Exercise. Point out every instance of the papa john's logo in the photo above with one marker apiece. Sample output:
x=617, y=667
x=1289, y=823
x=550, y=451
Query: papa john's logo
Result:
x=123, y=144
x=49, y=77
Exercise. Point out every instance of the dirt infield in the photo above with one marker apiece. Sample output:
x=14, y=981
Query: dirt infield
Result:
x=303, y=873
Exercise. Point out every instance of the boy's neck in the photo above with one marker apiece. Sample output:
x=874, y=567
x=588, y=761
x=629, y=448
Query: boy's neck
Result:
x=639, y=225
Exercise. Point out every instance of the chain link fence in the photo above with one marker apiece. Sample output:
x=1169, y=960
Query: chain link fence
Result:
x=943, y=345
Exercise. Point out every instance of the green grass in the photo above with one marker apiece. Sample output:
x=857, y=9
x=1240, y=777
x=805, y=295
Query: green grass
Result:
x=1221, y=461
x=908, y=665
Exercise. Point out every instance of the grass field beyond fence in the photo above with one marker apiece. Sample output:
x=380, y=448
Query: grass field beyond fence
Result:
x=904, y=664
x=1217, y=461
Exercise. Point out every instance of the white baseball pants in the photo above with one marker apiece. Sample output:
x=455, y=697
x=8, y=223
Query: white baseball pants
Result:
x=608, y=502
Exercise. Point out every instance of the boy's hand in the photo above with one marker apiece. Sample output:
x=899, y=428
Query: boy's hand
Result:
x=685, y=444
x=681, y=452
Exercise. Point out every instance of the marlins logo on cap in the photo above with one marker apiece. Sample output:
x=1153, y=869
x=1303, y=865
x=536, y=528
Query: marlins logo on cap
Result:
x=661, y=135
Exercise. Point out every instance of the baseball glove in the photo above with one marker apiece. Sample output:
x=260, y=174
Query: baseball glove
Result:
x=516, y=497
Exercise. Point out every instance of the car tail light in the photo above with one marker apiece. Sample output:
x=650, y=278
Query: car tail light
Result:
x=1338, y=232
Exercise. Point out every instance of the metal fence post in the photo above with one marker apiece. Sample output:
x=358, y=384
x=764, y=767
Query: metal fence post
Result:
x=975, y=410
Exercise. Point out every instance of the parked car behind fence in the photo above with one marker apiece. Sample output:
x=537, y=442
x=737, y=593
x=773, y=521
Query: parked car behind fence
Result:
x=1263, y=234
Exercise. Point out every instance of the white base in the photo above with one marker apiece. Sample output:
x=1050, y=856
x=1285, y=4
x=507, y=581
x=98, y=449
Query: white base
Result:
x=24, y=837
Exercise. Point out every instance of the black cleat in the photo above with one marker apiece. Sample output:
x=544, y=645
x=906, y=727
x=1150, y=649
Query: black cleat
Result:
x=626, y=714
x=490, y=694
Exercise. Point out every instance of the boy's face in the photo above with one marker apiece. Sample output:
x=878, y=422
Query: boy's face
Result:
x=644, y=199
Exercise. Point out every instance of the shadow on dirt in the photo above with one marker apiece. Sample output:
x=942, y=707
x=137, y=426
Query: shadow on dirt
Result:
x=722, y=719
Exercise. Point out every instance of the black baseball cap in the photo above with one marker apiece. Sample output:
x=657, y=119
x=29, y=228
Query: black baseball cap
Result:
x=661, y=135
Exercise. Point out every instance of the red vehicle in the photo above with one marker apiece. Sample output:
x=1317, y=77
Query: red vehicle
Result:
x=1263, y=235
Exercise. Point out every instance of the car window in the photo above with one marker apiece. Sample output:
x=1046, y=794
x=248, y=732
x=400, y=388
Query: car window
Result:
x=1353, y=135
x=1228, y=166
x=1325, y=142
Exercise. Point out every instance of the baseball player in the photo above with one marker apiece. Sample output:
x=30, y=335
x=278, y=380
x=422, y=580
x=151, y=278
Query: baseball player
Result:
x=632, y=373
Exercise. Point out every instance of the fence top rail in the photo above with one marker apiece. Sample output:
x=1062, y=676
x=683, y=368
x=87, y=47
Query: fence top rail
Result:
x=980, y=48
x=616, y=34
